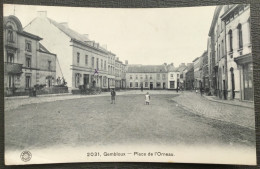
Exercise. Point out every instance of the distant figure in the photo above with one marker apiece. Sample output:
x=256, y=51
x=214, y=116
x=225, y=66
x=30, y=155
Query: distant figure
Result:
x=142, y=88
x=147, y=99
x=113, y=96
x=177, y=89
x=196, y=90
x=201, y=91
x=58, y=81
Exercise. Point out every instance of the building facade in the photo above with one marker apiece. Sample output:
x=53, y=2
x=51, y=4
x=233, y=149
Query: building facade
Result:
x=82, y=62
x=230, y=54
x=239, y=52
x=173, y=77
x=27, y=61
x=197, y=63
x=189, y=77
x=147, y=76
x=205, y=73
x=181, y=69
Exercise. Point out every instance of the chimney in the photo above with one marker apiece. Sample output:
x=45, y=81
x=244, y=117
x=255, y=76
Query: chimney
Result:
x=182, y=64
x=165, y=64
x=86, y=36
x=189, y=64
x=104, y=46
x=171, y=64
x=42, y=14
x=65, y=24
x=117, y=58
x=126, y=62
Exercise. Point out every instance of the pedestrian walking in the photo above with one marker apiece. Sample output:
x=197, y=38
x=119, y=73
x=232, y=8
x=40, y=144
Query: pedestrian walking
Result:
x=201, y=91
x=147, y=98
x=177, y=89
x=142, y=88
x=113, y=96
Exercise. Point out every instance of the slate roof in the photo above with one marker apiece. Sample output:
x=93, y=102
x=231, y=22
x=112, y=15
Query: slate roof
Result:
x=72, y=34
x=171, y=68
x=147, y=69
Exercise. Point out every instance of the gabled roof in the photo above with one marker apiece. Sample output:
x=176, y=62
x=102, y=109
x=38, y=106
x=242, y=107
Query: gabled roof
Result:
x=44, y=50
x=147, y=69
x=189, y=67
x=73, y=34
x=181, y=68
x=171, y=68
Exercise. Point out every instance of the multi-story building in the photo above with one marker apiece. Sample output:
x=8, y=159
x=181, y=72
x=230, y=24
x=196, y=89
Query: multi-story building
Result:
x=27, y=61
x=119, y=74
x=111, y=70
x=147, y=76
x=205, y=74
x=83, y=62
x=181, y=69
x=123, y=75
x=239, y=52
x=217, y=56
x=189, y=77
x=173, y=77
x=197, y=62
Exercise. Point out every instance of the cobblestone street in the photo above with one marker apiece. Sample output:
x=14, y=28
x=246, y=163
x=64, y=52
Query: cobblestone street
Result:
x=172, y=118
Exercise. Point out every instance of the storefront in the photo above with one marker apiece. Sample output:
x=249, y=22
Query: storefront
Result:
x=246, y=76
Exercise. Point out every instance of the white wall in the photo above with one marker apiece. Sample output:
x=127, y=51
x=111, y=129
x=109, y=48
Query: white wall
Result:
x=174, y=78
x=56, y=42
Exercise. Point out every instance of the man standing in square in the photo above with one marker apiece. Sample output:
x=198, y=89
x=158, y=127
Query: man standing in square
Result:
x=113, y=96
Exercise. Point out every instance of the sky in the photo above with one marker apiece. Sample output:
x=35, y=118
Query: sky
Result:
x=149, y=36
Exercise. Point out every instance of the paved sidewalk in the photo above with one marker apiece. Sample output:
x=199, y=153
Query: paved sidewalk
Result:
x=231, y=102
x=202, y=106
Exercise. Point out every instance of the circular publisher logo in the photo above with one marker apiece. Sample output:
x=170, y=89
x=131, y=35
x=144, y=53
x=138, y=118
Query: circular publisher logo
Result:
x=26, y=156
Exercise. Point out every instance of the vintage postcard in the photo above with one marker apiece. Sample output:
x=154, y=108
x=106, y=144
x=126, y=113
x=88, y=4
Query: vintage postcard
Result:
x=170, y=85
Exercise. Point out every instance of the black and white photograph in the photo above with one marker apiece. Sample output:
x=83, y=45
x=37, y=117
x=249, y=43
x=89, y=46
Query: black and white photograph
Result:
x=168, y=85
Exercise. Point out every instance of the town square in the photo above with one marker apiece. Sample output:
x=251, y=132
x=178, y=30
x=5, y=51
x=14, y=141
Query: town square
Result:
x=148, y=85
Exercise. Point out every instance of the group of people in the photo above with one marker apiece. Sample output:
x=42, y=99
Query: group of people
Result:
x=113, y=97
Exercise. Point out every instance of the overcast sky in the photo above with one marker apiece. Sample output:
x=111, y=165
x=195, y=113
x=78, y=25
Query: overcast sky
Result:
x=141, y=36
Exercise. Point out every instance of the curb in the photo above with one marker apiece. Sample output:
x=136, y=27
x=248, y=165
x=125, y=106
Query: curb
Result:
x=228, y=103
x=44, y=95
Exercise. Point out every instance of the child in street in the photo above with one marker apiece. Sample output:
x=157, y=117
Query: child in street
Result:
x=147, y=99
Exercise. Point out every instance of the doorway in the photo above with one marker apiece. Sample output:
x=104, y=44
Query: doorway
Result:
x=151, y=85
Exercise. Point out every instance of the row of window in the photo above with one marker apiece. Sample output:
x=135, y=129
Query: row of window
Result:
x=28, y=60
x=158, y=76
x=240, y=38
x=136, y=84
x=102, y=62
